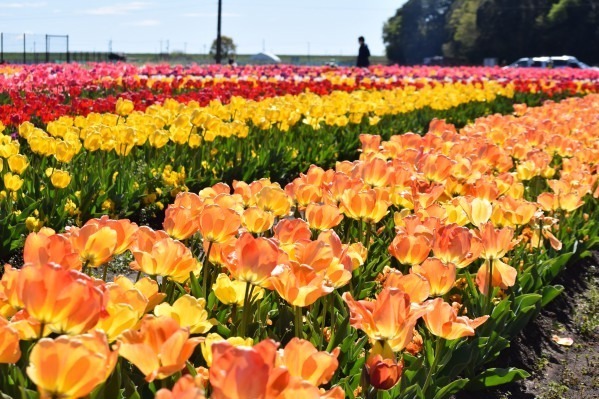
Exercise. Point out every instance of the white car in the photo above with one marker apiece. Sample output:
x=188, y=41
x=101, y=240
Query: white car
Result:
x=564, y=61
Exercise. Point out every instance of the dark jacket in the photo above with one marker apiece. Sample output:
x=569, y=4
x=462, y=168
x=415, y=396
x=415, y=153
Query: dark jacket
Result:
x=363, y=54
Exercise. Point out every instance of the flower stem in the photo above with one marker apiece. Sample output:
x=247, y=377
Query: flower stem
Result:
x=206, y=271
x=246, y=308
x=438, y=349
x=105, y=272
x=298, y=322
x=489, y=305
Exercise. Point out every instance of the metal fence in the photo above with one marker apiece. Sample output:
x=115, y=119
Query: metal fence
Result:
x=32, y=48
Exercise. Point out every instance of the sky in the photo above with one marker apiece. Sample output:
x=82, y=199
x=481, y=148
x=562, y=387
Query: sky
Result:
x=302, y=27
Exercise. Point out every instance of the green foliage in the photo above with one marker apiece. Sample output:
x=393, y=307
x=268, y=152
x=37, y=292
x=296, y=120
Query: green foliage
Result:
x=467, y=31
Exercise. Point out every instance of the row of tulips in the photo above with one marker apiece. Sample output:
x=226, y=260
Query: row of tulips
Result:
x=43, y=93
x=127, y=162
x=402, y=274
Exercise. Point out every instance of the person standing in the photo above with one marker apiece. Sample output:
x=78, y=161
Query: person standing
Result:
x=363, y=54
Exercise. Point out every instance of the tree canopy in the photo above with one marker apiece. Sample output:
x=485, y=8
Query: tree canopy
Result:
x=227, y=46
x=467, y=31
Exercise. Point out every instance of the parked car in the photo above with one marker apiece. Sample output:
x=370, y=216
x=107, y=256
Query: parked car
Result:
x=563, y=61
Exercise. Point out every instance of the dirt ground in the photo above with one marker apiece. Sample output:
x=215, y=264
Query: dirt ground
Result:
x=558, y=371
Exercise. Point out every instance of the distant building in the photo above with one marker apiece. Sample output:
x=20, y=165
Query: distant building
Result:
x=265, y=58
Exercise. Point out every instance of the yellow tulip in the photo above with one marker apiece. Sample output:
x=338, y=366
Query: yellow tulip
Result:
x=12, y=182
x=206, y=345
x=60, y=178
x=17, y=163
x=124, y=107
x=189, y=312
x=64, y=151
x=233, y=291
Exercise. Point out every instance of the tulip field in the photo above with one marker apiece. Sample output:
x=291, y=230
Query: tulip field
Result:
x=198, y=232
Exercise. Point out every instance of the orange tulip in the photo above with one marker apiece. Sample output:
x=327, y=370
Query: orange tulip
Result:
x=566, y=201
x=218, y=224
x=512, y=212
x=254, y=259
x=95, y=245
x=53, y=295
x=323, y=217
x=9, y=343
x=410, y=249
x=124, y=306
x=232, y=202
x=290, y=231
x=363, y=205
x=376, y=172
x=27, y=327
x=275, y=200
x=339, y=183
x=9, y=287
x=299, y=284
x=180, y=223
x=166, y=257
x=303, y=360
x=335, y=260
x=484, y=189
x=435, y=167
x=442, y=320
x=370, y=143
x=455, y=244
x=146, y=238
x=147, y=287
x=215, y=190
x=186, y=387
x=248, y=191
x=46, y=246
x=125, y=231
x=503, y=275
x=417, y=287
x=389, y=318
x=189, y=200
x=70, y=367
x=495, y=242
x=256, y=220
x=87, y=311
x=304, y=194
x=243, y=372
x=220, y=252
x=6, y=310
x=159, y=348
x=441, y=276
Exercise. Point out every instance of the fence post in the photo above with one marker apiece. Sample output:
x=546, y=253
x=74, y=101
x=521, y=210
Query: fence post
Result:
x=24, y=49
x=68, y=54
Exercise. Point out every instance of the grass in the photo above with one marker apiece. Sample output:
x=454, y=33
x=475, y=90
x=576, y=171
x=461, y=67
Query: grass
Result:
x=586, y=315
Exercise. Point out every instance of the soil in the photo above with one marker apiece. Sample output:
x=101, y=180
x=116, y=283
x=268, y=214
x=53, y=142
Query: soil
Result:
x=557, y=371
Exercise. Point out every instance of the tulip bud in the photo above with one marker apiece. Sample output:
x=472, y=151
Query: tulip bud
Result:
x=382, y=368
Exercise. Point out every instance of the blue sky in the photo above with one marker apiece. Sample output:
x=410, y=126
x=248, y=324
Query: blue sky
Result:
x=282, y=27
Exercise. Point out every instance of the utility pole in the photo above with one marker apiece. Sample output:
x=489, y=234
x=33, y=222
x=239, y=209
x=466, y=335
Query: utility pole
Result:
x=218, y=37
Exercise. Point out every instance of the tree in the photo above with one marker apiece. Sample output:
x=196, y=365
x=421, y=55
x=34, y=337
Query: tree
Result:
x=227, y=46
x=392, y=38
x=416, y=31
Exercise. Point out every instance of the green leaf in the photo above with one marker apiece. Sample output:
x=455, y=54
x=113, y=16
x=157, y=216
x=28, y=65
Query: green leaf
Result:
x=196, y=290
x=496, y=376
x=452, y=388
x=550, y=293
